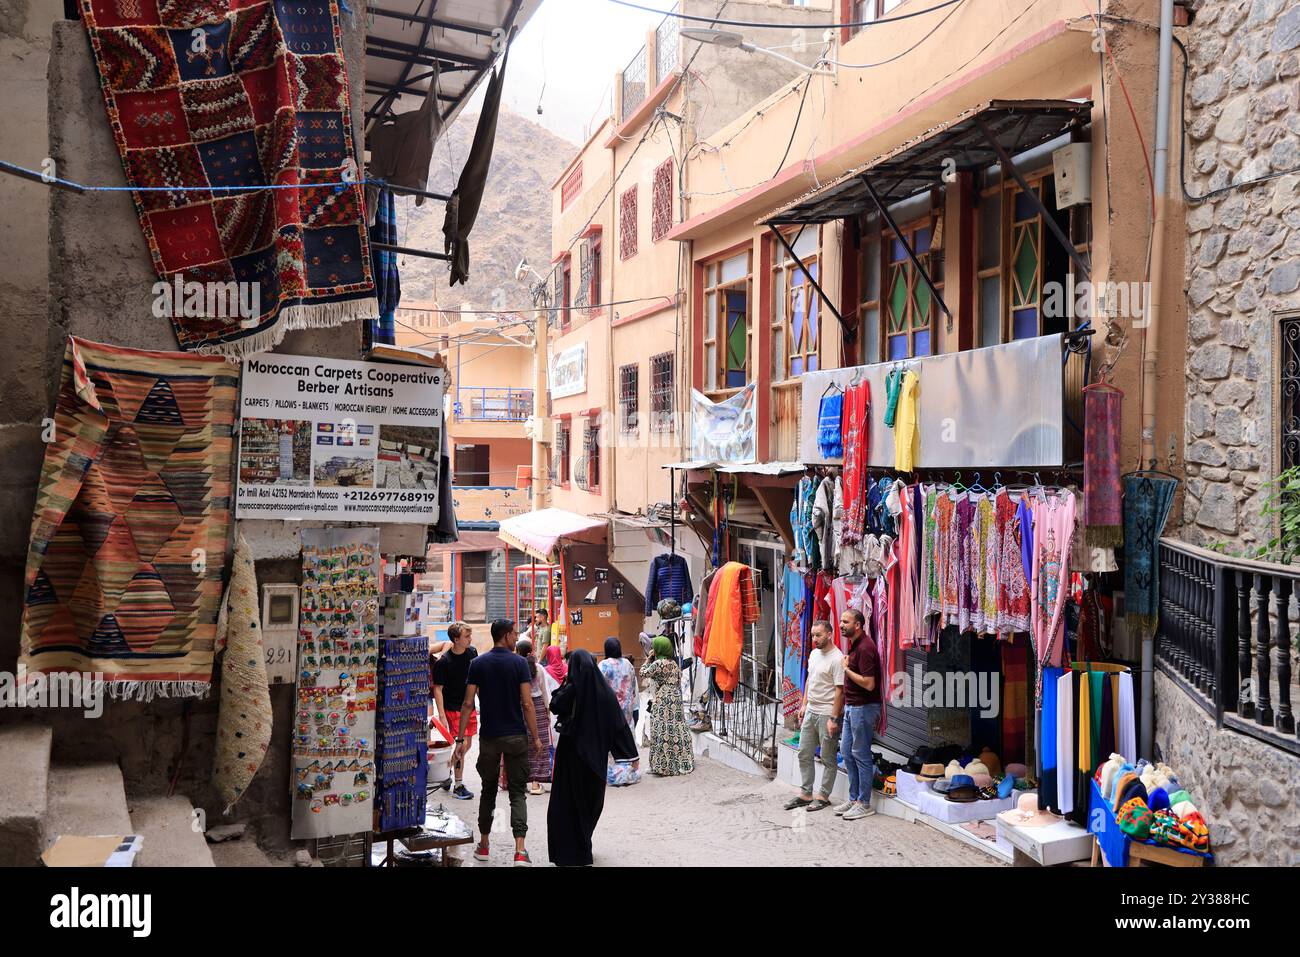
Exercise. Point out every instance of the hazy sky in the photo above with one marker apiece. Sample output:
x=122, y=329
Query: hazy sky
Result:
x=566, y=56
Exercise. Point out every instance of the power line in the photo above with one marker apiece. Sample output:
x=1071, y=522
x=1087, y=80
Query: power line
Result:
x=898, y=56
x=786, y=25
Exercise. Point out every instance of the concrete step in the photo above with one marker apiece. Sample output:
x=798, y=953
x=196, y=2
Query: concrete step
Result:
x=87, y=800
x=24, y=793
x=170, y=837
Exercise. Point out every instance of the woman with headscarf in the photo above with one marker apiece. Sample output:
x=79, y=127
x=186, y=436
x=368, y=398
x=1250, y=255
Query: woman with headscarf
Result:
x=670, y=749
x=592, y=726
x=620, y=674
x=539, y=761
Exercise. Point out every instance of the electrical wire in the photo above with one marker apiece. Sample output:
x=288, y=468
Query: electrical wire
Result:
x=795, y=128
x=786, y=25
x=869, y=66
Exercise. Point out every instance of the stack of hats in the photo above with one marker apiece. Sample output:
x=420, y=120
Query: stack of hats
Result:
x=962, y=789
x=1150, y=804
x=930, y=772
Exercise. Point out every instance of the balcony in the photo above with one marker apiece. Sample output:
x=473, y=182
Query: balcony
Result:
x=492, y=404
x=1225, y=637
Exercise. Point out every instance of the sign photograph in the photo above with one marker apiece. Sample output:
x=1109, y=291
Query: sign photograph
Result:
x=338, y=439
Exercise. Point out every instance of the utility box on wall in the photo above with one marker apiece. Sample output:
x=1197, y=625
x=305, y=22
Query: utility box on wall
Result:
x=280, y=632
x=1072, y=171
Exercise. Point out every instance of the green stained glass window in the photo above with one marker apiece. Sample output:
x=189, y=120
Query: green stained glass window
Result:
x=921, y=317
x=1025, y=264
x=898, y=299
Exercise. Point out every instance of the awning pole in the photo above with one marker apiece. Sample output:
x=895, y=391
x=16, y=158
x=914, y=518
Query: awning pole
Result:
x=849, y=332
x=907, y=246
x=1009, y=166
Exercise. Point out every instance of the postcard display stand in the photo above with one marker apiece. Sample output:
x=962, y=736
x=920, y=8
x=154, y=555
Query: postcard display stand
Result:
x=403, y=739
x=338, y=653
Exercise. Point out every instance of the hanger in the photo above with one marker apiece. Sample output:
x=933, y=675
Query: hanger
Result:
x=997, y=481
x=977, y=487
x=832, y=387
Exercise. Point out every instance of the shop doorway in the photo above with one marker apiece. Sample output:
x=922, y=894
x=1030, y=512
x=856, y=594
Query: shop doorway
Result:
x=474, y=567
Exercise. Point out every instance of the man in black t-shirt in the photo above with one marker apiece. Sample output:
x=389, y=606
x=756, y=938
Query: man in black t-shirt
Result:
x=450, y=680
x=503, y=682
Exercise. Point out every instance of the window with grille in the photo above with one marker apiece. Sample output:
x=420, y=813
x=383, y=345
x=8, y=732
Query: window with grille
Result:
x=796, y=313
x=661, y=219
x=661, y=393
x=591, y=452
x=561, y=451
x=595, y=271
x=726, y=322
x=628, y=384
x=571, y=188
x=582, y=292
x=627, y=224
x=1290, y=392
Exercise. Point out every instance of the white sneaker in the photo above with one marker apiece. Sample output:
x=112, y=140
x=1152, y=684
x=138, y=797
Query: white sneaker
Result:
x=843, y=808
x=858, y=812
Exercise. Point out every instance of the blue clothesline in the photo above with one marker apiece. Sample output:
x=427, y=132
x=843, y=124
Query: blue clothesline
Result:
x=82, y=188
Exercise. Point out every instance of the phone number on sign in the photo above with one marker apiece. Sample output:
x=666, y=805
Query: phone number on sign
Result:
x=362, y=495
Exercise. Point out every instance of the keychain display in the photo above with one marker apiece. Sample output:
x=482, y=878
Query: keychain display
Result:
x=334, y=739
x=402, y=760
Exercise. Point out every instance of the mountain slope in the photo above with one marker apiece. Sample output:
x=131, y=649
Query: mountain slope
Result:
x=514, y=220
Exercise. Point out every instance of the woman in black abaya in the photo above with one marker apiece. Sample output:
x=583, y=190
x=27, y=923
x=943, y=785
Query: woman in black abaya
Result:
x=591, y=727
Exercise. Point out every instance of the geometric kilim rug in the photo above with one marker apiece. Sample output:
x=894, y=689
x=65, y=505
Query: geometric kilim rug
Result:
x=131, y=521
x=210, y=100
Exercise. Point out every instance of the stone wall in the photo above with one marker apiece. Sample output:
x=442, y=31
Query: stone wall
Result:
x=1243, y=257
x=1248, y=791
x=100, y=280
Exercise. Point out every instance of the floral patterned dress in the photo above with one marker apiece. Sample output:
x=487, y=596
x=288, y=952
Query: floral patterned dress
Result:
x=671, y=751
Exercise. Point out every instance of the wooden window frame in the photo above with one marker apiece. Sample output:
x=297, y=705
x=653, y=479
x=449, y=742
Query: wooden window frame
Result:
x=780, y=328
x=594, y=298
x=720, y=289
x=566, y=273
x=591, y=449
x=887, y=237
x=1007, y=189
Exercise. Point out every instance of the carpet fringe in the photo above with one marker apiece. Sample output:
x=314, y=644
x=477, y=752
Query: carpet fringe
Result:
x=303, y=315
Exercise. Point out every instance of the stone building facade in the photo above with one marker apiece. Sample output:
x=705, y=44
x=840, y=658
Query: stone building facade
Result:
x=1243, y=258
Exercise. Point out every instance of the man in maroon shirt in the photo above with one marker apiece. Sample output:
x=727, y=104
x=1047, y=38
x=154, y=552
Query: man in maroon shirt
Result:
x=861, y=712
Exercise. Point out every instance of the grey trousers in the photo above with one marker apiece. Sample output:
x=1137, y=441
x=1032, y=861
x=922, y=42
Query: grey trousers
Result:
x=812, y=733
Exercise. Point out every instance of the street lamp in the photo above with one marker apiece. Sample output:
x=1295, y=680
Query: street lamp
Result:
x=725, y=38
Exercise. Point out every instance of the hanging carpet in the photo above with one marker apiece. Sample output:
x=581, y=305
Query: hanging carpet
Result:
x=132, y=513
x=210, y=100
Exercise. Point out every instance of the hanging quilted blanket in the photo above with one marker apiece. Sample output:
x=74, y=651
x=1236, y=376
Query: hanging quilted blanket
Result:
x=233, y=120
x=132, y=514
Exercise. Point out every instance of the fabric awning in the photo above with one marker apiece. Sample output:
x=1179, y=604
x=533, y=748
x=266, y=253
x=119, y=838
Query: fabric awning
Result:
x=470, y=541
x=919, y=164
x=540, y=533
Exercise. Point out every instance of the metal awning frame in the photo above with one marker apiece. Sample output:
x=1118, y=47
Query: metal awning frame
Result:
x=850, y=333
x=970, y=142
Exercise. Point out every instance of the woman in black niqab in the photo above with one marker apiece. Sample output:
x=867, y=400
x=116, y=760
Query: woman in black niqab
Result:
x=591, y=727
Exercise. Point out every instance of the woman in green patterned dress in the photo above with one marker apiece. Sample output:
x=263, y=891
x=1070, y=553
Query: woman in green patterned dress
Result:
x=670, y=750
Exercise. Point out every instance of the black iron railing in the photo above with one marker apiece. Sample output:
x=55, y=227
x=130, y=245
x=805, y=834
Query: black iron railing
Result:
x=750, y=720
x=1225, y=635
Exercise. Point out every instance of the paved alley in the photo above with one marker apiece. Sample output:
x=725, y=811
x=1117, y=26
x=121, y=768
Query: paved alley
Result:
x=718, y=815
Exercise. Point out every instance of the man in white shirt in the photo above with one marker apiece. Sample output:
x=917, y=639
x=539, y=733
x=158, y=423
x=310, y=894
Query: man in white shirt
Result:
x=819, y=714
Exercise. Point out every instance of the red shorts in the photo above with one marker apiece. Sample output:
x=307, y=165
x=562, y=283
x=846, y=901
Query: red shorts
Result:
x=471, y=729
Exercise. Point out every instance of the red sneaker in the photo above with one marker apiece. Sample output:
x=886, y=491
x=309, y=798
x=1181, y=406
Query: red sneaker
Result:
x=481, y=852
x=522, y=859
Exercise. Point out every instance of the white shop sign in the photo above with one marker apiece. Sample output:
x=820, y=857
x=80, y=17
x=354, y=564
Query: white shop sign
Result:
x=338, y=439
x=568, y=371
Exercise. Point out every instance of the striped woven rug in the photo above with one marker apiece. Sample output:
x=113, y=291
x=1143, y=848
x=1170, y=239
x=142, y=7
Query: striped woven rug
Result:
x=132, y=516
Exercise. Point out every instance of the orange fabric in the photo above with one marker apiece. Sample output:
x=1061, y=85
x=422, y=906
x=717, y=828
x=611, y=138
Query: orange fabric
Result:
x=725, y=635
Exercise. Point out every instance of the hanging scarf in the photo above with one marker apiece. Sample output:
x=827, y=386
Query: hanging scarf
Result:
x=244, y=721
x=1147, y=501
x=830, y=415
x=1102, y=510
x=388, y=285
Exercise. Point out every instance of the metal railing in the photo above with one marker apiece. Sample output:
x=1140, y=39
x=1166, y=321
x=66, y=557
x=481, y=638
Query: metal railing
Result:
x=493, y=404
x=635, y=83
x=1225, y=635
x=666, y=46
x=750, y=720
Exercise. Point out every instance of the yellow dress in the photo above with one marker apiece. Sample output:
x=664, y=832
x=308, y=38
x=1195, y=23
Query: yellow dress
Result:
x=907, y=438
